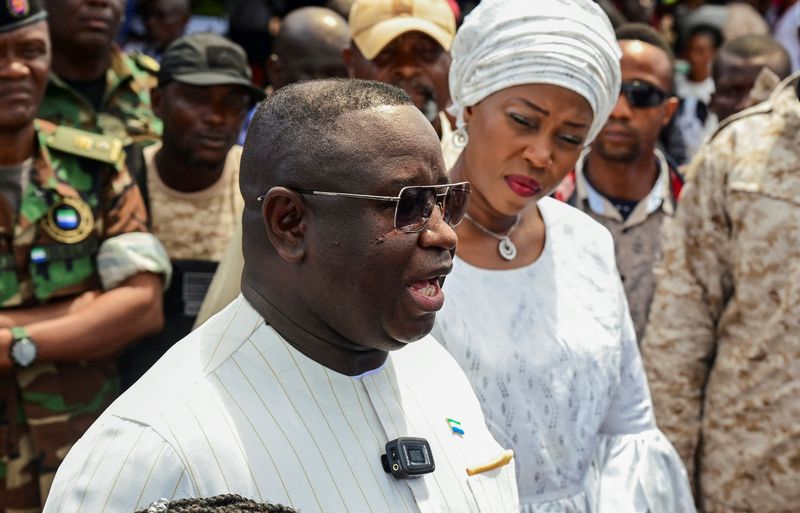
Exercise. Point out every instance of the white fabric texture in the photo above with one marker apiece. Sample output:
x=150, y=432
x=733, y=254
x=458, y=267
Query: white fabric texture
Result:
x=567, y=43
x=685, y=88
x=128, y=254
x=234, y=408
x=786, y=34
x=551, y=353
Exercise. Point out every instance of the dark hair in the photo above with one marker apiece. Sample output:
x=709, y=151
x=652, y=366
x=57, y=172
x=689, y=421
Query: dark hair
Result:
x=646, y=34
x=704, y=29
x=753, y=46
x=228, y=503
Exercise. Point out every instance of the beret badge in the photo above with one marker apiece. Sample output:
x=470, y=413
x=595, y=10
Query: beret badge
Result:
x=18, y=8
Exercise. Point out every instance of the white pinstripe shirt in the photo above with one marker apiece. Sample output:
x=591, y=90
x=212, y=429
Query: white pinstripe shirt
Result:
x=233, y=408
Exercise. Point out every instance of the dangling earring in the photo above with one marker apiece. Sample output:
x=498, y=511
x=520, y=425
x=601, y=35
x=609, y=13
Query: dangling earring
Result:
x=460, y=137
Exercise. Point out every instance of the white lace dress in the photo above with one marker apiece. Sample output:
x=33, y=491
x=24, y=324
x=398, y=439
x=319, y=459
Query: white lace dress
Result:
x=551, y=352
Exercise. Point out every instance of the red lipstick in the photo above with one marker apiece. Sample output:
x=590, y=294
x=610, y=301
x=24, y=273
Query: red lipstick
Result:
x=523, y=186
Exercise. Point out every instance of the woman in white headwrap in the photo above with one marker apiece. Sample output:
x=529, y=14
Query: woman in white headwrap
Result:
x=536, y=314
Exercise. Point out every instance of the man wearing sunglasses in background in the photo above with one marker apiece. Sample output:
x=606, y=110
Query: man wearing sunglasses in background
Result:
x=290, y=394
x=623, y=180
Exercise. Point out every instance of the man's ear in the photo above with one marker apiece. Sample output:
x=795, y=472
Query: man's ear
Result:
x=156, y=99
x=670, y=107
x=284, y=216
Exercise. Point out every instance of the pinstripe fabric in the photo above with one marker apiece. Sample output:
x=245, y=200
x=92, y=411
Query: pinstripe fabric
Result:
x=233, y=408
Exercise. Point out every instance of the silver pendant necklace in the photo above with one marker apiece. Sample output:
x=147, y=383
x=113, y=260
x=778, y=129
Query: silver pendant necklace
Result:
x=506, y=247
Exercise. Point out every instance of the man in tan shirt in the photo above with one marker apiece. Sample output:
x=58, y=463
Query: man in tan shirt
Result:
x=190, y=181
x=623, y=181
x=722, y=348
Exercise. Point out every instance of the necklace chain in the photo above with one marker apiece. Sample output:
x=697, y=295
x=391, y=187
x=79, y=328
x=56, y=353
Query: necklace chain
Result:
x=489, y=232
x=506, y=248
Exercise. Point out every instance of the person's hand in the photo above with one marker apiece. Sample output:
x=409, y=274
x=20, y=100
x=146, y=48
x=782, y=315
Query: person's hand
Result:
x=6, y=365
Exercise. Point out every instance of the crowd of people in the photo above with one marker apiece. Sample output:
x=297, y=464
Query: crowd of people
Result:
x=518, y=256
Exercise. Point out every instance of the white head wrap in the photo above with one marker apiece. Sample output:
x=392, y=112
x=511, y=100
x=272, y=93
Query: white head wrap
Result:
x=567, y=43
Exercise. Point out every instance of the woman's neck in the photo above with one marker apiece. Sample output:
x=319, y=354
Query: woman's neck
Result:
x=16, y=147
x=480, y=249
x=479, y=209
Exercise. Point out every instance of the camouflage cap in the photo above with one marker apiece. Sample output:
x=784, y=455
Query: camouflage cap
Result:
x=206, y=60
x=16, y=14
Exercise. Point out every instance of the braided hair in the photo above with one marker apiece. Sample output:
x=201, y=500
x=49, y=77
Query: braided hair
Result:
x=227, y=503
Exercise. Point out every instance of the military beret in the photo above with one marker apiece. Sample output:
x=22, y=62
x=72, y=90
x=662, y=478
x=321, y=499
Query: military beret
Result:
x=16, y=14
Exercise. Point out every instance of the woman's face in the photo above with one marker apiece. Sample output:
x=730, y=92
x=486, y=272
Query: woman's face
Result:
x=523, y=140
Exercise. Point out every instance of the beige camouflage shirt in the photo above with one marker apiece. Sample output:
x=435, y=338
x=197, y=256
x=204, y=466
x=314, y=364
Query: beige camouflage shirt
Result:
x=722, y=349
x=195, y=225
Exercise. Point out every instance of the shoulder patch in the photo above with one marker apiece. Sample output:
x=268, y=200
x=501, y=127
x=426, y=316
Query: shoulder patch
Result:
x=146, y=62
x=89, y=145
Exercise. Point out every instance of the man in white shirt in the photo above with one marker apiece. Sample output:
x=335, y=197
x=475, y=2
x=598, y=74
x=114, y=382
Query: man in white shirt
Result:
x=290, y=394
x=406, y=44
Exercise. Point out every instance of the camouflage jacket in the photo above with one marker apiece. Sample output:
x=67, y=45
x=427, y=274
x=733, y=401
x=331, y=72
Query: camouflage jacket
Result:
x=126, y=112
x=722, y=348
x=79, y=194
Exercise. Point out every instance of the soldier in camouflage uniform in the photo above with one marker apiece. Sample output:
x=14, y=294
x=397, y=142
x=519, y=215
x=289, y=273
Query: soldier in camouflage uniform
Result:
x=79, y=276
x=722, y=349
x=94, y=85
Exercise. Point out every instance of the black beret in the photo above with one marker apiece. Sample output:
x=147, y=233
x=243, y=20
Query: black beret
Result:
x=16, y=14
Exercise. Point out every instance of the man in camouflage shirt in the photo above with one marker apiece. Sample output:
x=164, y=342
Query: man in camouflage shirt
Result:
x=722, y=349
x=94, y=85
x=79, y=276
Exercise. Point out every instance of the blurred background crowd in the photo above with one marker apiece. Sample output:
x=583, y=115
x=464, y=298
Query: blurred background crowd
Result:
x=180, y=112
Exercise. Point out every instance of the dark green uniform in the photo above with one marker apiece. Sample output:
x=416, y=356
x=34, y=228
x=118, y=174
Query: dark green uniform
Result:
x=79, y=194
x=125, y=112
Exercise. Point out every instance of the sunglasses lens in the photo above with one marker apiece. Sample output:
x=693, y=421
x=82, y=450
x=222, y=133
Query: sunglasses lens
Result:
x=414, y=208
x=455, y=205
x=643, y=95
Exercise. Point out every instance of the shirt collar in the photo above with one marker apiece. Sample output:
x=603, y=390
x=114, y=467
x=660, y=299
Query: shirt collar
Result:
x=659, y=197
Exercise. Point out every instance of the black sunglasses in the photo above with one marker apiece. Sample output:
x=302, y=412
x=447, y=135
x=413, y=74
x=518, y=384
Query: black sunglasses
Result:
x=643, y=95
x=415, y=204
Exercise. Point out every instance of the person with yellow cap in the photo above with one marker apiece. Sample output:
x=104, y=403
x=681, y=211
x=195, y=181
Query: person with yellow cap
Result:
x=406, y=43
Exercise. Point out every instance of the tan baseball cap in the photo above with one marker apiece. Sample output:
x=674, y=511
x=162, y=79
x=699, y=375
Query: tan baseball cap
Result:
x=375, y=23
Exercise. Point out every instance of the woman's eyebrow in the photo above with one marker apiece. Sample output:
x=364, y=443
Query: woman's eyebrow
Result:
x=542, y=110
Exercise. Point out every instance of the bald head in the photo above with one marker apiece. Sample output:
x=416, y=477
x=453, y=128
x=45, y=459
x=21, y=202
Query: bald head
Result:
x=309, y=46
x=165, y=20
x=755, y=50
x=341, y=6
x=736, y=67
x=292, y=139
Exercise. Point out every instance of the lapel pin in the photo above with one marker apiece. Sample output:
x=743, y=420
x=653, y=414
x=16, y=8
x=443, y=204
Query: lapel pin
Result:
x=455, y=426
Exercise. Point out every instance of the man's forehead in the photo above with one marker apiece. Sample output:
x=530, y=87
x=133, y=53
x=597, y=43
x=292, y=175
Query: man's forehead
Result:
x=641, y=57
x=185, y=87
x=397, y=123
x=396, y=143
x=414, y=37
x=33, y=32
